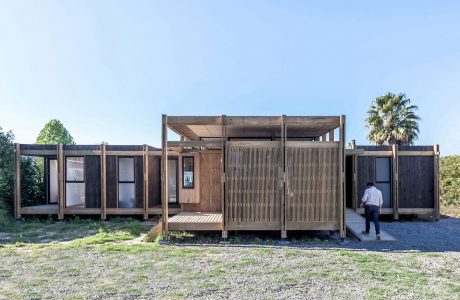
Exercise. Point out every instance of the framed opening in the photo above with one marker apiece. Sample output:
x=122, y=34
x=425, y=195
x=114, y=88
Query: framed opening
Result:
x=383, y=179
x=126, y=183
x=53, y=182
x=75, y=181
x=188, y=172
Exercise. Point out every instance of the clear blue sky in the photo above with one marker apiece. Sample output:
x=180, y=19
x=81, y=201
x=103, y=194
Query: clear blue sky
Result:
x=109, y=69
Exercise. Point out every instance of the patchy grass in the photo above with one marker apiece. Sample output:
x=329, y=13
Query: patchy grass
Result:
x=91, y=259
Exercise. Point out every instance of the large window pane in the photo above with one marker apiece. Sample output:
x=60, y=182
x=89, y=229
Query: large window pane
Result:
x=187, y=172
x=385, y=188
x=75, y=194
x=126, y=195
x=75, y=169
x=172, y=181
x=126, y=169
x=382, y=169
x=53, y=181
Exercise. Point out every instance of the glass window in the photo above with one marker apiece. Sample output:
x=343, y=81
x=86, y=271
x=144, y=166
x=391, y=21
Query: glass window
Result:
x=75, y=182
x=188, y=172
x=383, y=179
x=126, y=169
x=126, y=183
x=126, y=195
x=53, y=181
x=172, y=181
x=75, y=169
x=75, y=194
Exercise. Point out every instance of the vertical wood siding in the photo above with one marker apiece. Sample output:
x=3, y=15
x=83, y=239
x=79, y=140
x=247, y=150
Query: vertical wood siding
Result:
x=312, y=186
x=254, y=187
x=92, y=181
x=416, y=177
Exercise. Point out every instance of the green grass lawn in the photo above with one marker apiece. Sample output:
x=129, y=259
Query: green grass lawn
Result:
x=93, y=259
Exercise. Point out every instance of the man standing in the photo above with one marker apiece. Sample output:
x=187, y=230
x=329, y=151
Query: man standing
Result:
x=372, y=202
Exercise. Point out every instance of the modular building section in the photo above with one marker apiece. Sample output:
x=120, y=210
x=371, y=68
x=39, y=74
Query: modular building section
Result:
x=408, y=177
x=277, y=173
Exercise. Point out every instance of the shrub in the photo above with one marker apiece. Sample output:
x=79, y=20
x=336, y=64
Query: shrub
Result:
x=450, y=180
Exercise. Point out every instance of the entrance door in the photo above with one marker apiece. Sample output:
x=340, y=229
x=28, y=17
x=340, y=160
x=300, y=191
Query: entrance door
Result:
x=53, y=190
x=173, y=195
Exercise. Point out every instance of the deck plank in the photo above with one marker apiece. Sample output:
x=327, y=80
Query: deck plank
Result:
x=196, y=221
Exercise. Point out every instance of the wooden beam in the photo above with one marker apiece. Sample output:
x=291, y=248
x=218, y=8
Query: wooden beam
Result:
x=164, y=176
x=253, y=121
x=416, y=153
x=321, y=121
x=195, y=144
x=377, y=153
x=354, y=152
x=81, y=152
x=61, y=164
x=311, y=144
x=146, y=181
x=253, y=144
x=395, y=182
x=103, y=182
x=437, y=205
x=127, y=153
x=17, y=181
x=283, y=177
x=342, y=192
x=30, y=152
x=194, y=120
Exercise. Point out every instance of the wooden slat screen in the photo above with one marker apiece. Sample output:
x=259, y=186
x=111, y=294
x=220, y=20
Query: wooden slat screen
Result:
x=254, y=186
x=312, y=185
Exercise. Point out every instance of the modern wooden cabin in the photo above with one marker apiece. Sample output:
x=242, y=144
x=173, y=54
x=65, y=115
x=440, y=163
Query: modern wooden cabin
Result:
x=230, y=173
x=408, y=177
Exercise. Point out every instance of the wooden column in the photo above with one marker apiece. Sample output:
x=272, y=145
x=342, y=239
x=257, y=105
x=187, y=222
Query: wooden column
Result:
x=331, y=135
x=146, y=181
x=355, y=195
x=61, y=164
x=223, y=187
x=342, y=177
x=17, y=181
x=164, y=175
x=103, y=182
x=437, y=206
x=283, y=177
x=323, y=137
x=395, y=183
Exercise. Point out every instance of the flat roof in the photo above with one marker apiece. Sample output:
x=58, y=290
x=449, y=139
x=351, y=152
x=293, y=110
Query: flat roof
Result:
x=209, y=127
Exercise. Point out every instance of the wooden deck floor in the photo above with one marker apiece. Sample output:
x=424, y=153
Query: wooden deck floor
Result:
x=196, y=221
x=356, y=224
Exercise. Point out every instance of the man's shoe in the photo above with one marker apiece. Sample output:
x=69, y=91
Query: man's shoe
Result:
x=364, y=232
x=378, y=237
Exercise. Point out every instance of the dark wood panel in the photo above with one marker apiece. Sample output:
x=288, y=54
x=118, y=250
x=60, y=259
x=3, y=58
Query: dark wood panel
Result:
x=93, y=181
x=349, y=181
x=112, y=181
x=139, y=181
x=366, y=173
x=416, y=182
x=154, y=181
x=210, y=184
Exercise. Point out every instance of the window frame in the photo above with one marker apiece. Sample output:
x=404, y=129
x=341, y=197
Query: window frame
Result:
x=390, y=180
x=193, y=172
x=66, y=181
x=124, y=181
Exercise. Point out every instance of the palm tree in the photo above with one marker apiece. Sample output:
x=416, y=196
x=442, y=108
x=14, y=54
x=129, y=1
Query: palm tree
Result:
x=391, y=120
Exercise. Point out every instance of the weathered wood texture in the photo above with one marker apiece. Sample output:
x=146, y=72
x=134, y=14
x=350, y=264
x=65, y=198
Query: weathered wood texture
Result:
x=312, y=186
x=154, y=181
x=253, y=183
x=112, y=182
x=366, y=173
x=92, y=181
x=416, y=182
x=139, y=181
x=210, y=169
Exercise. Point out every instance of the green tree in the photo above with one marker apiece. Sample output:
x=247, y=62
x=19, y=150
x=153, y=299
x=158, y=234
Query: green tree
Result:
x=450, y=180
x=6, y=169
x=54, y=133
x=392, y=120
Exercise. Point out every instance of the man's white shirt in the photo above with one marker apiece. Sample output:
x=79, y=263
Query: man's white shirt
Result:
x=372, y=196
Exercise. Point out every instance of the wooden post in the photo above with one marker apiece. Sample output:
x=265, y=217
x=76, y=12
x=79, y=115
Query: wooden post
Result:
x=437, y=205
x=323, y=137
x=223, y=187
x=395, y=183
x=355, y=196
x=342, y=177
x=146, y=181
x=103, y=182
x=17, y=181
x=283, y=177
x=61, y=164
x=164, y=176
x=331, y=135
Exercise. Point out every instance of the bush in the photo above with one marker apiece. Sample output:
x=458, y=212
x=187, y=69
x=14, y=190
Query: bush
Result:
x=450, y=180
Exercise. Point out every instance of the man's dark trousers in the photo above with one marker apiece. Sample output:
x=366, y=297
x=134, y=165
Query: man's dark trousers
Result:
x=372, y=212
